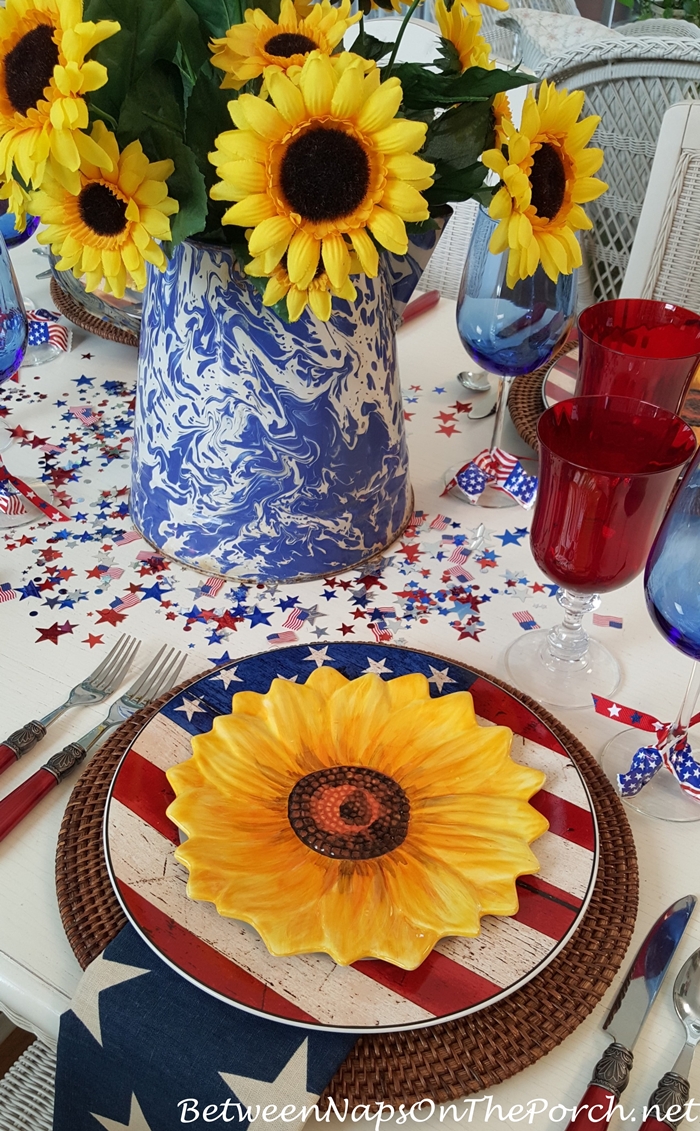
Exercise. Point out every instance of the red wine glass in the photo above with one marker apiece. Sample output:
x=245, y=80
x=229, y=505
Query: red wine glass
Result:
x=632, y=347
x=607, y=468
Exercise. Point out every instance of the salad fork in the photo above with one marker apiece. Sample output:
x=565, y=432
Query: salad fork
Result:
x=161, y=674
x=102, y=682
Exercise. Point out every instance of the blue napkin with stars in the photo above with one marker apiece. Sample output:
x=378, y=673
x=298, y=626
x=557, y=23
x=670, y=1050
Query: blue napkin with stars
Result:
x=142, y=1049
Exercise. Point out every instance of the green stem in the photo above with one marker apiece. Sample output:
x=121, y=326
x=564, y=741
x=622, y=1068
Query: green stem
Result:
x=399, y=37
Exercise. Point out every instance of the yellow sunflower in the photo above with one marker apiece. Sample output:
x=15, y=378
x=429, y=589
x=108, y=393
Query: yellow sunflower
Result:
x=473, y=7
x=43, y=77
x=546, y=175
x=247, y=49
x=501, y=111
x=325, y=159
x=356, y=817
x=107, y=229
x=17, y=202
x=462, y=30
x=318, y=293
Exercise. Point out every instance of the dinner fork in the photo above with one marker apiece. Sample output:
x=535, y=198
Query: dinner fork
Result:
x=161, y=674
x=102, y=682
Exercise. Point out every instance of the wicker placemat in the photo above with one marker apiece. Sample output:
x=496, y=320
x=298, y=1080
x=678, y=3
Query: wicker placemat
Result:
x=449, y=1060
x=76, y=314
x=526, y=405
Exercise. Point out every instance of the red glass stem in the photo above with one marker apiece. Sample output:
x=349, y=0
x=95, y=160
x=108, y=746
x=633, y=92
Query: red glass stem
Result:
x=16, y=805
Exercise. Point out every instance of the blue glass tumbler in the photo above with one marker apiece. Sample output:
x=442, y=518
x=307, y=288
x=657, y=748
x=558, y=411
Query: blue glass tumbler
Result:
x=672, y=590
x=509, y=331
x=13, y=320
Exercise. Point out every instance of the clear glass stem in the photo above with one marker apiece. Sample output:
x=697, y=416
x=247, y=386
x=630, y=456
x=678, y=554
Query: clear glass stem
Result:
x=568, y=641
x=680, y=728
x=504, y=384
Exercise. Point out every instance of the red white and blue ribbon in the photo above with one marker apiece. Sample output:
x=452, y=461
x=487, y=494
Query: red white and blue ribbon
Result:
x=11, y=488
x=648, y=760
x=495, y=468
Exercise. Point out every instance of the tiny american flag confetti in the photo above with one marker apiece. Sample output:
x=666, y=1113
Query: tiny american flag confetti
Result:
x=295, y=619
x=380, y=631
x=43, y=328
x=440, y=522
x=110, y=571
x=7, y=593
x=213, y=585
x=603, y=621
x=84, y=414
x=126, y=602
x=282, y=638
x=526, y=620
x=128, y=536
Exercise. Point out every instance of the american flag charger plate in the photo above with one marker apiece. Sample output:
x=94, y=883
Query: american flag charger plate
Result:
x=228, y=959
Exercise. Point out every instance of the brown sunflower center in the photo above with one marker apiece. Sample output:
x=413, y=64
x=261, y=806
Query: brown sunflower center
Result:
x=548, y=180
x=324, y=174
x=29, y=68
x=102, y=210
x=288, y=43
x=349, y=812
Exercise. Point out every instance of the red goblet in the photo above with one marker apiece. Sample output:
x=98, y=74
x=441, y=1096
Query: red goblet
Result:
x=607, y=468
x=633, y=347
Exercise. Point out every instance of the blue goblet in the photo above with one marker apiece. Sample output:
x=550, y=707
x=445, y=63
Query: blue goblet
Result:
x=672, y=590
x=509, y=331
x=13, y=320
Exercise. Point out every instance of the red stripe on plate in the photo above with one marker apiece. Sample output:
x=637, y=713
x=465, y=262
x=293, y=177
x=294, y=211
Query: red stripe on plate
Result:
x=204, y=963
x=556, y=393
x=144, y=789
x=545, y=908
x=494, y=704
x=568, y=364
x=566, y=819
x=439, y=985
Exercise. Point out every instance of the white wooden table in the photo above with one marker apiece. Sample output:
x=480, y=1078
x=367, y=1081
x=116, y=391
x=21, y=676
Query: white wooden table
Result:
x=38, y=972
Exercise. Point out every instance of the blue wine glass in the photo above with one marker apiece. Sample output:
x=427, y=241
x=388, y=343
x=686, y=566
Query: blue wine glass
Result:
x=13, y=319
x=672, y=590
x=8, y=226
x=509, y=331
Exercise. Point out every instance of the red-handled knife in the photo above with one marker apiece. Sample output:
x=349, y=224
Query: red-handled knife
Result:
x=628, y=1013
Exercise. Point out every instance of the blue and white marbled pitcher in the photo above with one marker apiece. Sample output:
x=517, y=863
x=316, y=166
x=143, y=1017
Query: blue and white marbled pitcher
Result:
x=266, y=450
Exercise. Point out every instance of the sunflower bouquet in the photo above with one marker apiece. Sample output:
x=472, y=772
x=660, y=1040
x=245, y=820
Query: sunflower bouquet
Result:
x=128, y=127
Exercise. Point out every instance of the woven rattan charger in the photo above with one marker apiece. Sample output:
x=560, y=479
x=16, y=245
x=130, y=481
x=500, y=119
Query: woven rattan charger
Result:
x=444, y=1062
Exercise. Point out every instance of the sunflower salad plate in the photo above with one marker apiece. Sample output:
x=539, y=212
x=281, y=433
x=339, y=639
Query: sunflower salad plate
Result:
x=328, y=857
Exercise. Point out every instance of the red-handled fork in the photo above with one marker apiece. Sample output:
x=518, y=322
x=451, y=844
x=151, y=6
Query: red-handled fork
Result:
x=102, y=682
x=161, y=674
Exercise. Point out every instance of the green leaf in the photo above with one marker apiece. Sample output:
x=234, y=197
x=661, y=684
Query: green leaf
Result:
x=153, y=114
x=425, y=90
x=369, y=47
x=207, y=116
x=460, y=136
x=450, y=63
x=217, y=16
x=152, y=31
x=453, y=185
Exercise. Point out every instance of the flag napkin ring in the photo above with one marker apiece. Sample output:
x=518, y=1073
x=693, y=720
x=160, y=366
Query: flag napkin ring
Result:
x=495, y=468
x=647, y=761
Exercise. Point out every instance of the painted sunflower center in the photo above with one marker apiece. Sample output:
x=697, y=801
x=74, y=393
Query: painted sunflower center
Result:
x=349, y=812
x=548, y=180
x=289, y=43
x=102, y=210
x=29, y=68
x=324, y=174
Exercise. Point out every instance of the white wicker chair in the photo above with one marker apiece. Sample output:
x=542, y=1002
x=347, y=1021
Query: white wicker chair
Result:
x=504, y=38
x=27, y=1091
x=668, y=28
x=665, y=259
x=630, y=84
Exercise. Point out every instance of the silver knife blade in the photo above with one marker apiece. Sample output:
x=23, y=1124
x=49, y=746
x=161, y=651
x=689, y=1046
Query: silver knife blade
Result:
x=635, y=998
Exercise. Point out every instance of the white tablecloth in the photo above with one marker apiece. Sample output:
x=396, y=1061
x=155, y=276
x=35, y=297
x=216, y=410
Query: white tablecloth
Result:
x=68, y=579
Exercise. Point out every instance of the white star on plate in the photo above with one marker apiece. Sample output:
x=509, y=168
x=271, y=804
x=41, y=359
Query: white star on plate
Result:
x=137, y=1120
x=318, y=656
x=228, y=675
x=287, y=678
x=99, y=976
x=378, y=666
x=191, y=707
x=289, y=1087
x=614, y=711
x=440, y=678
